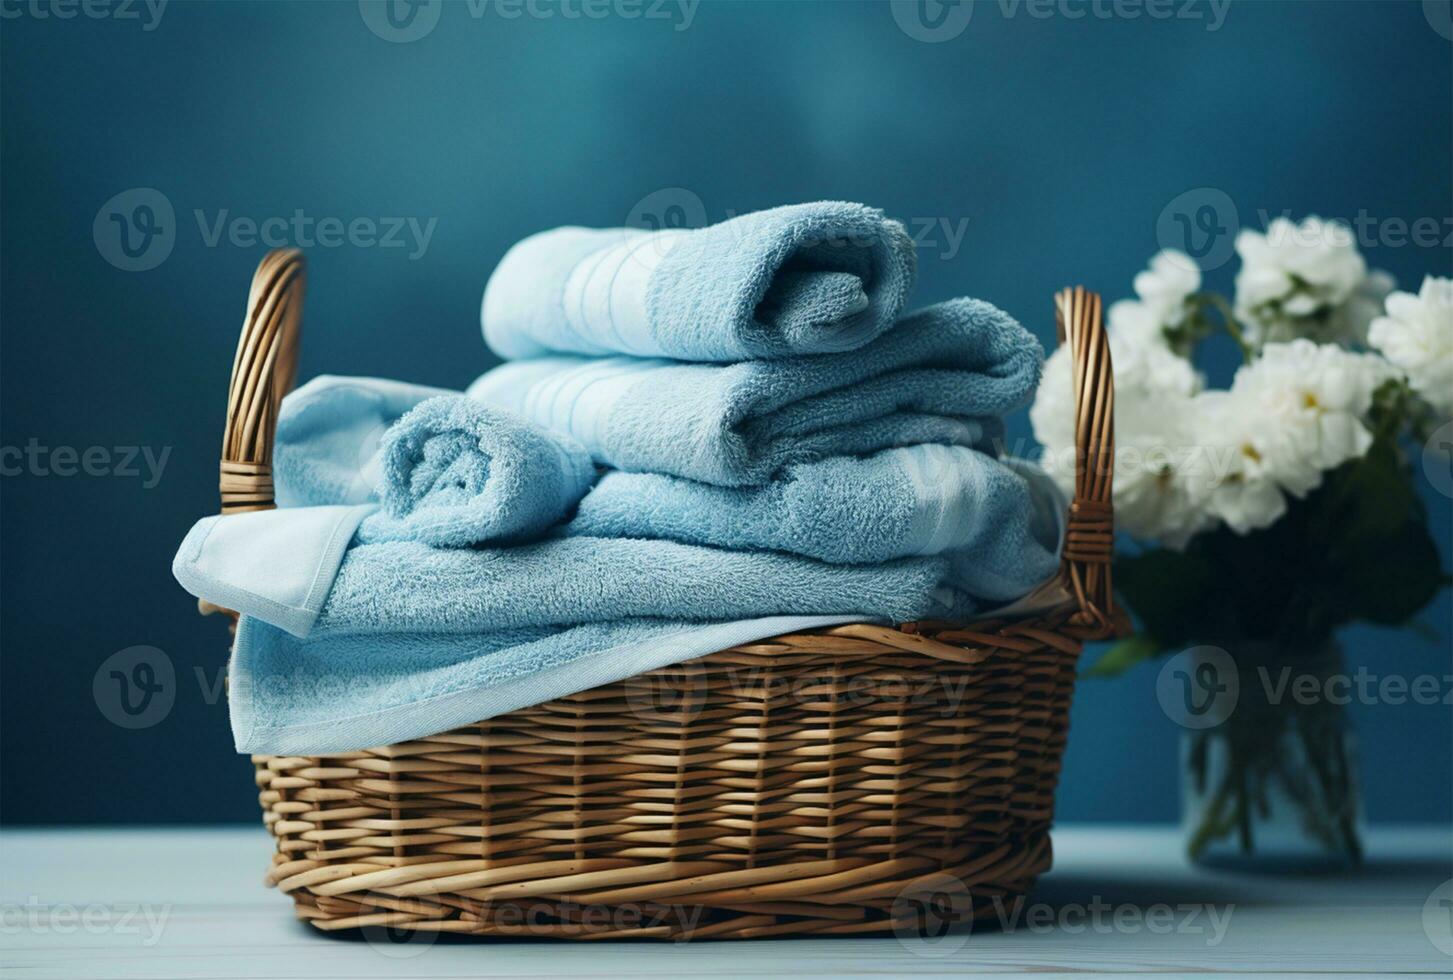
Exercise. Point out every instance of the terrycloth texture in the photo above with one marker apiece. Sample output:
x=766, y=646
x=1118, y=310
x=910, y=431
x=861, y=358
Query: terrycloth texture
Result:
x=803, y=279
x=328, y=437
x=340, y=694
x=945, y=374
x=458, y=473
x=919, y=500
x=404, y=586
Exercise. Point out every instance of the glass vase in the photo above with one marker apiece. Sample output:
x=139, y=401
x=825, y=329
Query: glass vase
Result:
x=1270, y=780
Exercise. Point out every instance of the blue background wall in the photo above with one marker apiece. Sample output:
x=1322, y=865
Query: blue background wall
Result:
x=1054, y=144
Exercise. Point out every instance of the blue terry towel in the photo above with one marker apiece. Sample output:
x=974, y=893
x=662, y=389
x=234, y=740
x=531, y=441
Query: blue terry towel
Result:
x=457, y=473
x=328, y=436
x=802, y=279
x=945, y=374
x=338, y=651
x=289, y=696
x=290, y=568
x=986, y=515
x=404, y=586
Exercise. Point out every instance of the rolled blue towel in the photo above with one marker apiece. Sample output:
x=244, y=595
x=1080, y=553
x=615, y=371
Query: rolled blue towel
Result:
x=803, y=279
x=984, y=514
x=328, y=436
x=945, y=374
x=457, y=473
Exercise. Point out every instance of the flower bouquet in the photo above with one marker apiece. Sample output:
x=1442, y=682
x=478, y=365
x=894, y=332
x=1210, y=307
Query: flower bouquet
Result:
x=1268, y=514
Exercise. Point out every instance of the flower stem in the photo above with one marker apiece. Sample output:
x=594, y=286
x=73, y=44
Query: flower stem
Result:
x=1228, y=320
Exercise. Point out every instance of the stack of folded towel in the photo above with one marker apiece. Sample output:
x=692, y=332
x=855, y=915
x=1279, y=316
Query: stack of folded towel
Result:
x=702, y=438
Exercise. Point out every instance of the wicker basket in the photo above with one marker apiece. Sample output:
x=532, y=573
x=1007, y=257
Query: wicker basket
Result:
x=807, y=783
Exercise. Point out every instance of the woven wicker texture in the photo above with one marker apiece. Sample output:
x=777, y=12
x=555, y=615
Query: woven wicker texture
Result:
x=834, y=781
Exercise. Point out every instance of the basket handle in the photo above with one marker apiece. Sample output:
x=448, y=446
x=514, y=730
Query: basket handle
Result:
x=1090, y=533
x=262, y=373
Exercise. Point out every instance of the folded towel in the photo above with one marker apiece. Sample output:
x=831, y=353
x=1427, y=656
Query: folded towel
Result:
x=803, y=279
x=405, y=586
x=289, y=696
x=328, y=436
x=458, y=473
x=945, y=374
x=919, y=500
x=298, y=685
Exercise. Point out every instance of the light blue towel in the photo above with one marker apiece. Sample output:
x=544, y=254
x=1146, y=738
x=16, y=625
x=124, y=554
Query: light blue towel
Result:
x=298, y=686
x=985, y=515
x=945, y=374
x=328, y=436
x=244, y=561
x=345, y=693
x=403, y=586
x=803, y=279
x=457, y=473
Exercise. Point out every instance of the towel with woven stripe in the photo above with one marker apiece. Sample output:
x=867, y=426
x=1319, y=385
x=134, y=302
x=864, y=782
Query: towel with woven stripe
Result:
x=946, y=374
x=801, y=279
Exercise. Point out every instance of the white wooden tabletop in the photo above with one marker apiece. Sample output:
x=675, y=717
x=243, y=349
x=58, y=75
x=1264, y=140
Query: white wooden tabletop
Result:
x=166, y=902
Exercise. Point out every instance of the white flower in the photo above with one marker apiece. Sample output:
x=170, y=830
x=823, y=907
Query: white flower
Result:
x=1233, y=479
x=1416, y=335
x=1305, y=280
x=1164, y=290
x=1153, y=496
x=1292, y=414
x=1164, y=287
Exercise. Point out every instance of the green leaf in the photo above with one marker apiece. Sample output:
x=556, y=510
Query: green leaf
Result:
x=1391, y=582
x=1170, y=592
x=1124, y=654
